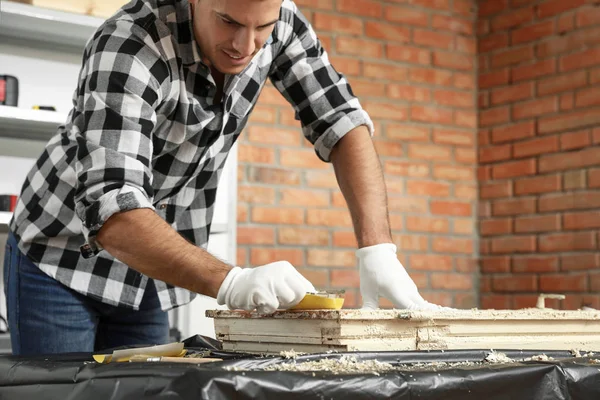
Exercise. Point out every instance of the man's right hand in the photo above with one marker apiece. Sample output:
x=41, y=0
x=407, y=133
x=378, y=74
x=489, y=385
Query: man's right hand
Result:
x=265, y=289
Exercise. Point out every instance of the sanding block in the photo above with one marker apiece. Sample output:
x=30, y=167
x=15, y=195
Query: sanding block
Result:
x=321, y=300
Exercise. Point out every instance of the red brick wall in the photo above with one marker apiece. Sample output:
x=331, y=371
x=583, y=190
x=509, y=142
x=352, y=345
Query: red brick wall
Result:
x=539, y=139
x=413, y=65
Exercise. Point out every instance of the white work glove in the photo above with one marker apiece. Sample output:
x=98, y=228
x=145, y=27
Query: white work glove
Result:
x=382, y=275
x=265, y=288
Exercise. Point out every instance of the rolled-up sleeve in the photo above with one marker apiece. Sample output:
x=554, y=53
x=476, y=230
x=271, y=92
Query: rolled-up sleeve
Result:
x=321, y=97
x=114, y=130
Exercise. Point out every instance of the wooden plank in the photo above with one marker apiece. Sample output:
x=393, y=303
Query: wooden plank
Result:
x=318, y=341
x=542, y=342
x=490, y=315
x=539, y=342
x=532, y=314
x=316, y=328
x=307, y=314
x=380, y=330
x=277, y=339
x=511, y=328
x=276, y=348
x=348, y=345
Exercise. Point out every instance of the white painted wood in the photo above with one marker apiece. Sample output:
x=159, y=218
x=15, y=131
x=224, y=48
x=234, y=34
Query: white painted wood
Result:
x=350, y=345
x=276, y=348
x=322, y=329
x=5, y=217
x=582, y=341
x=52, y=27
x=21, y=123
x=358, y=314
x=13, y=171
x=382, y=330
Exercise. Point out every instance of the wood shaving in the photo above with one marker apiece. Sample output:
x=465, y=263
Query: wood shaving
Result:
x=496, y=358
x=343, y=365
x=437, y=365
x=539, y=357
x=349, y=364
x=290, y=354
x=578, y=354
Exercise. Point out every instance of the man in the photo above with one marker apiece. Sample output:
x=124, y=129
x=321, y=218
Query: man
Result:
x=110, y=227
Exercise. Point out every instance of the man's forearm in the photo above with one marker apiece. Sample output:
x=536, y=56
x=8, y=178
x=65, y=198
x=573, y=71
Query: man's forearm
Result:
x=360, y=177
x=146, y=243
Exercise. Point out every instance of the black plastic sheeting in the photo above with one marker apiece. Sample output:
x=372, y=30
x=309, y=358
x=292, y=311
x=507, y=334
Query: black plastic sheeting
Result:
x=76, y=376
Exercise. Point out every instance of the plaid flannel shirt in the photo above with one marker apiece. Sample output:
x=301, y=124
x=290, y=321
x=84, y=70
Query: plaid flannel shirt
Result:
x=144, y=133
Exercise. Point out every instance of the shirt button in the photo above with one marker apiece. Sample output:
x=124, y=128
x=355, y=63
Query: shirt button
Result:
x=162, y=206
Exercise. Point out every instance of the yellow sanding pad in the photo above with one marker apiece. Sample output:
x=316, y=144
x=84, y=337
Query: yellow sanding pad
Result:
x=318, y=301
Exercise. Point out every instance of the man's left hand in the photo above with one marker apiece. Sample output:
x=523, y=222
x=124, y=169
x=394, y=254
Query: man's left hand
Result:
x=382, y=275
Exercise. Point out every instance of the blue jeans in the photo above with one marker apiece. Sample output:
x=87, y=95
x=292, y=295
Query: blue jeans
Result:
x=46, y=317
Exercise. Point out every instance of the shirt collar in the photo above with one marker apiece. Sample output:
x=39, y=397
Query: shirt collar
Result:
x=188, y=46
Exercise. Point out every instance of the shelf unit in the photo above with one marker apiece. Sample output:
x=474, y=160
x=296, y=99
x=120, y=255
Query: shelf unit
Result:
x=20, y=123
x=5, y=217
x=4, y=221
x=5, y=345
x=63, y=29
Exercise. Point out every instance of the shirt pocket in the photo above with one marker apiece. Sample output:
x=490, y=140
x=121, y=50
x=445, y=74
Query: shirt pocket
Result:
x=242, y=99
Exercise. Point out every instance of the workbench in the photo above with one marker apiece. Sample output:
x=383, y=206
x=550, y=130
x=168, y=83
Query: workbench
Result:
x=77, y=376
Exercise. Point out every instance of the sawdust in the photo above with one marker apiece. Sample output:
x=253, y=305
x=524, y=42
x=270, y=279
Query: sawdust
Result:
x=290, y=354
x=502, y=358
x=349, y=364
x=540, y=357
x=343, y=365
x=578, y=354
x=495, y=358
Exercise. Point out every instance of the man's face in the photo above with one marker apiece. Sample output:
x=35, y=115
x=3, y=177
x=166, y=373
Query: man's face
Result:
x=231, y=32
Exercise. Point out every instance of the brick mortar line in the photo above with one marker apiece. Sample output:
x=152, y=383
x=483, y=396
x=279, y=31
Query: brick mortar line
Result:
x=435, y=163
x=538, y=79
x=511, y=9
x=431, y=11
x=539, y=173
x=333, y=34
x=387, y=60
x=409, y=120
x=516, y=235
x=565, y=130
x=404, y=252
x=341, y=229
x=406, y=82
x=515, y=159
x=384, y=124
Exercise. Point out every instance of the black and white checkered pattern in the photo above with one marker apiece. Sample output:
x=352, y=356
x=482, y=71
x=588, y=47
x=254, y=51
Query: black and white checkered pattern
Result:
x=144, y=133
